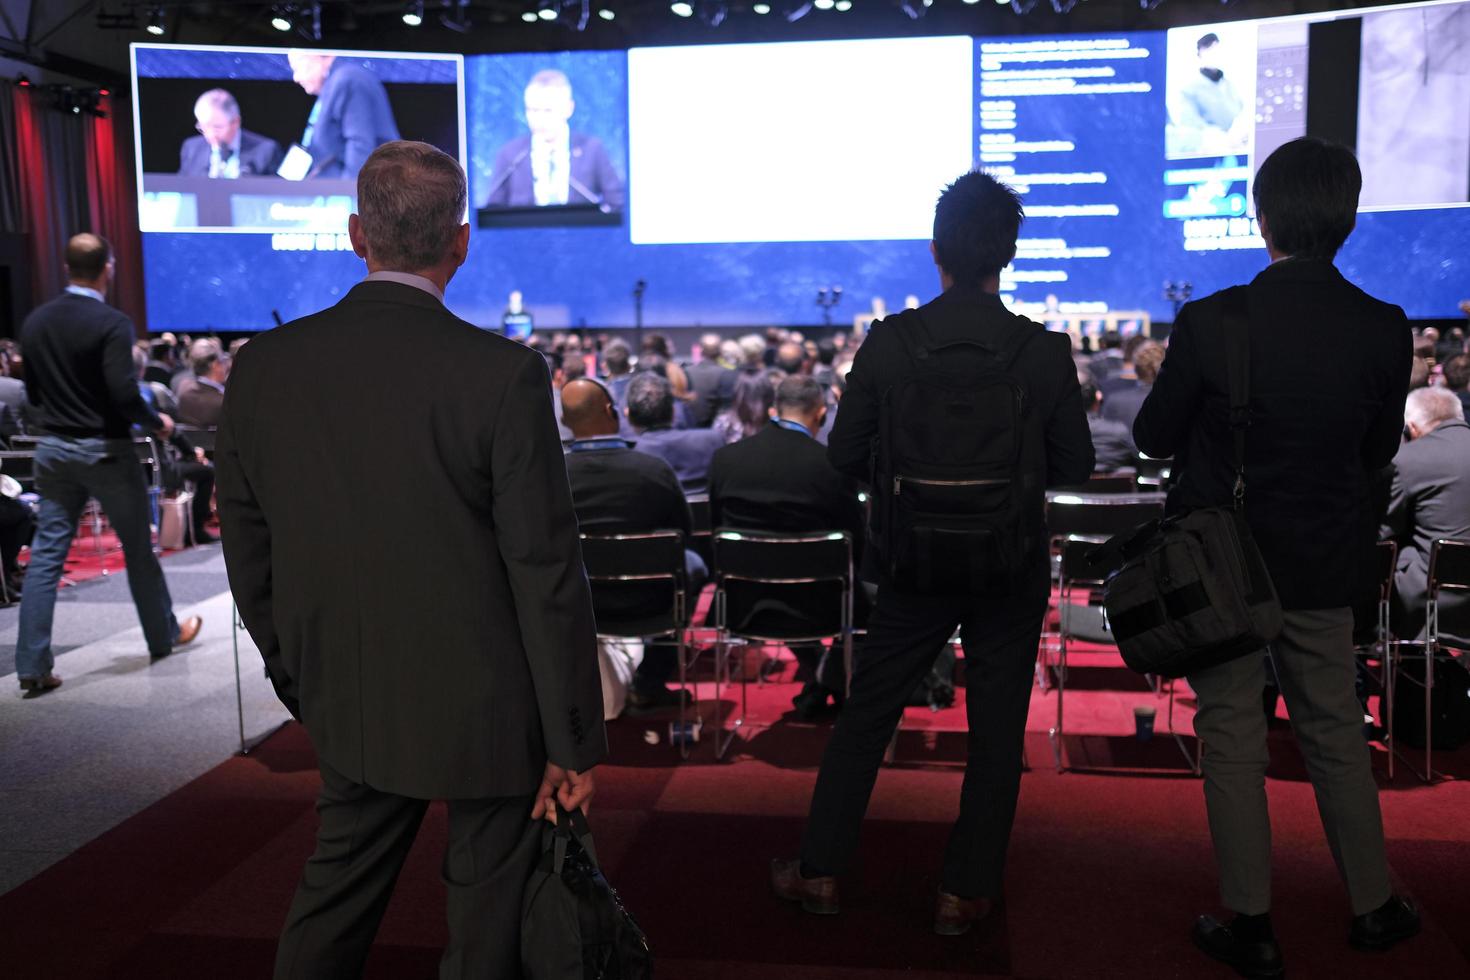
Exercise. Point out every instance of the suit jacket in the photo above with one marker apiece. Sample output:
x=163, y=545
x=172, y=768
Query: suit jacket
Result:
x=1122, y=403
x=1057, y=445
x=447, y=652
x=1326, y=411
x=200, y=405
x=1112, y=444
x=713, y=387
x=688, y=451
x=1430, y=500
x=511, y=181
x=780, y=480
x=353, y=118
x=622, y=490
x=259, y=155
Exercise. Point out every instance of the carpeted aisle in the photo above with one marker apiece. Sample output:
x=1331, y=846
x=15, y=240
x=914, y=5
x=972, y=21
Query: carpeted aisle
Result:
x=1107, y=870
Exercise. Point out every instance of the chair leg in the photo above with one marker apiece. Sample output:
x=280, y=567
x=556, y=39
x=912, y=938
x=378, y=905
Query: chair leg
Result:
x=1057, y=749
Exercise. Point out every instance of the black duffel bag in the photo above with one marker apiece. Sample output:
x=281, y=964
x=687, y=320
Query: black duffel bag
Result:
x=1192, y=591
x=573, y=925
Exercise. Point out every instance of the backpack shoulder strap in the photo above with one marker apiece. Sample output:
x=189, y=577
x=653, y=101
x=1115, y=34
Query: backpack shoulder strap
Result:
x=1236, y=325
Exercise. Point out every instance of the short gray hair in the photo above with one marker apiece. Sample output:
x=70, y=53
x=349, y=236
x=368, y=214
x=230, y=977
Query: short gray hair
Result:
x=219, y=100
x=799, y=392
x=411, y=204
x=1428, y=407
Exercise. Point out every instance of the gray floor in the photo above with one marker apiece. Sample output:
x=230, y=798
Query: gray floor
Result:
x=121, y=733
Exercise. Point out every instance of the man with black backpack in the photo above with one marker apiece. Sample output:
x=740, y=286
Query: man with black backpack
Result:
x=959, y=414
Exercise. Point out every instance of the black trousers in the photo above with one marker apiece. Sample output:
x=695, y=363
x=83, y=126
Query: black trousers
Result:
x=362, y=841
x=905, y=634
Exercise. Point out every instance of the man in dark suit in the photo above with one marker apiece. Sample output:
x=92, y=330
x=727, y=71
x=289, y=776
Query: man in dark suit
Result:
x=780, y=480
x=350, y=118
x=1124, y=398
x=975, y=227
x=222, y=148
x=712, y=384
x=1430, y=500
x=475, y=678
x=1308, y=455
x=1112, y=442
x=650, y=409
x=79, y=368
x=553, y=165
x=615, y=489
x=200, y=403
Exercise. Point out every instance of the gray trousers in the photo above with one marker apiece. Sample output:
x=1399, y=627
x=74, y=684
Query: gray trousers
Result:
x=1315, y=667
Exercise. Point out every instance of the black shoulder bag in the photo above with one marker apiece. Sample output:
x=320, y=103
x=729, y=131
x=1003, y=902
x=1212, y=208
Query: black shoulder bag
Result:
x=1191, y=591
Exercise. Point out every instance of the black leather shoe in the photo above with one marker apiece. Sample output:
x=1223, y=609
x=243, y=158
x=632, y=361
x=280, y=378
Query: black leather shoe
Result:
x=1260, y=959
x=1394, y=921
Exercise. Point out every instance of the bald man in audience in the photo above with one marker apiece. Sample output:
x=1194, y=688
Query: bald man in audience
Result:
x=618, y=490
x=1430, y=500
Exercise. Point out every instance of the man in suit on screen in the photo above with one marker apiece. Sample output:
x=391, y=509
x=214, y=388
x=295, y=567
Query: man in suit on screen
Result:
x=553, y=165
x=223, y=148
x=474, y=679
x=350, y=118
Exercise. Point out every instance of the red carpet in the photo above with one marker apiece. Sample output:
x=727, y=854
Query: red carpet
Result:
x=1106, y=871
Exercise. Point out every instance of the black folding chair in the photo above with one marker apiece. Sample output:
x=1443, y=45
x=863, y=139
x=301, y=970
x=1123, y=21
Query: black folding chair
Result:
x=198, y=437
x=1153, y=474
x=639, y=592
x=1449, y=572
x=762, y=566
x=1373, y=637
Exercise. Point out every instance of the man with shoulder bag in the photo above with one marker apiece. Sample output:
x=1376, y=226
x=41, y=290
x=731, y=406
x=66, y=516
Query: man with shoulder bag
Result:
x=959, y=415
x=1302, y=487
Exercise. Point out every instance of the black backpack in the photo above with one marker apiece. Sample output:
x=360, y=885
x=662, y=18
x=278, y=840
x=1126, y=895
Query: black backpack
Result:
x=951, y=514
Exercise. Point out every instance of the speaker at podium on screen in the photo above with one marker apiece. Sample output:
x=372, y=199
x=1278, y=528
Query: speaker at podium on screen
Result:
x=516, y=323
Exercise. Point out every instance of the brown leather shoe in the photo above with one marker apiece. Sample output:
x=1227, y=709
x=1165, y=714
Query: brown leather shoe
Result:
x=189, y=630
x=40, y=685
x=955, y=916
x=816, y=895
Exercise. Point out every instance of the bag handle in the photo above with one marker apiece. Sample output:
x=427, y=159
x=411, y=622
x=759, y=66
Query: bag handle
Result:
x=1238, y=375
x=570, y=824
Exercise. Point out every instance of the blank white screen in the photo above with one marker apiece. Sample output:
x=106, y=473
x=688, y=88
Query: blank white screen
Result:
x=796, y=142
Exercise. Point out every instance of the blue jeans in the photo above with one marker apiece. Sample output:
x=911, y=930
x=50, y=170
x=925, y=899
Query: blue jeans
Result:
x=68, y=471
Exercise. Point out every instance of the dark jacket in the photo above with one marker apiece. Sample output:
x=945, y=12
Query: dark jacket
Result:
x=409, y=567
x=622, y=490
x=688, y=451
x=1121, y=404
x=512, y=183
x=780, y=480
x=1112, y=444
x=713, y=387
x=259, y=155
x=1329, y=370
x=1056, y=425
x=352, y=119
x=200, y=405
x=80, y=376
x=1430, y=500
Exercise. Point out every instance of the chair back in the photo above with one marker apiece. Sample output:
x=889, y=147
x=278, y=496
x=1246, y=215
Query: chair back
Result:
x=699, y=513
x=1099, y=517
x=1153, y=474
x=1449, y=567
x=198, y=438
x=1103, y=483
x=780, y=586
x=782, y=559
x=637, y=581
x=20, y=466
x=1385, y=561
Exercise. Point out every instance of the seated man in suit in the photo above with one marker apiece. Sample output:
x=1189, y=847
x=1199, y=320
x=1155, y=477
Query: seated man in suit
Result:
x=351, y=116
x=1124, y=398
x=615, y=489
x=200, y=403
x=182, y=460
x=713, y=383
x=650, y=409
x=1112, y=441
x=1431, y=500
x=552, y=165
x=779, y=480
x=223, y=149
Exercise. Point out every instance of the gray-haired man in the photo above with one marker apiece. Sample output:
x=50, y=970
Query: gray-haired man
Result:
x=223, y=148
x=473, y=679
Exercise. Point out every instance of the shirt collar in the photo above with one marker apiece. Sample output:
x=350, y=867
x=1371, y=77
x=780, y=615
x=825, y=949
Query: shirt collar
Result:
x=406, y=279
x=76, y=290
x=599, y=442
x=210, y=383
x=793, y=426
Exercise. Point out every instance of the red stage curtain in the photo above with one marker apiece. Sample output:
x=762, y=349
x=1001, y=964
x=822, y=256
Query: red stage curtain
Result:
x=112, y=198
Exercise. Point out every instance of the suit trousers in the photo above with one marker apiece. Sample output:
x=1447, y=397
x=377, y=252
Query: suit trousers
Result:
x=905, y=634
x=364, y=837
x=1316, y=669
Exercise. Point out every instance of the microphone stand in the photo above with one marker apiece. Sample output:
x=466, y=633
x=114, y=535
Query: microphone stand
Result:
x=639, y=288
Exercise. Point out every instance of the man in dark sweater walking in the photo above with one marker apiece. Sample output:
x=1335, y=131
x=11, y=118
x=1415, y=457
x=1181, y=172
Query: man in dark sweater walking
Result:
x=85, y=399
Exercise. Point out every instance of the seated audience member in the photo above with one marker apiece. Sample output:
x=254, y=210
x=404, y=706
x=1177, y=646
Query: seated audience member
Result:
x=1112, y=442
x=790, y=357
x=17, y=527
x=615, y=489
x=1126, y=374
x=650, y=409
x=1419, y=373
x=752, y=353
x=186, y=377
x=617, y=365
x=730, y=356
x=161, y=362
x=1107, y=363
x=1121, y=402
x=1430, y=500
x=14, y=406
x=201, y=402
x=825, y=356
x=712, y=383
x=1457, y=379
x=750, y=408
x=779, y=480
x=182, y=461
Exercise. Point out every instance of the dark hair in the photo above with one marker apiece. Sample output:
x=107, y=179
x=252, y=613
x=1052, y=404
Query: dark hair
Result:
x=1457, y=372
x=751, y=403
x=976, y=223
x=826, y=351
x=1208, y=41
x=573, y=368
x=615, y=357
x=656, y=343
x=653, y=364
x=87, y=256
x=650, y=400
x=1090, y=391
x=790, y=356
x=801, y=392
x=1307, y=196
